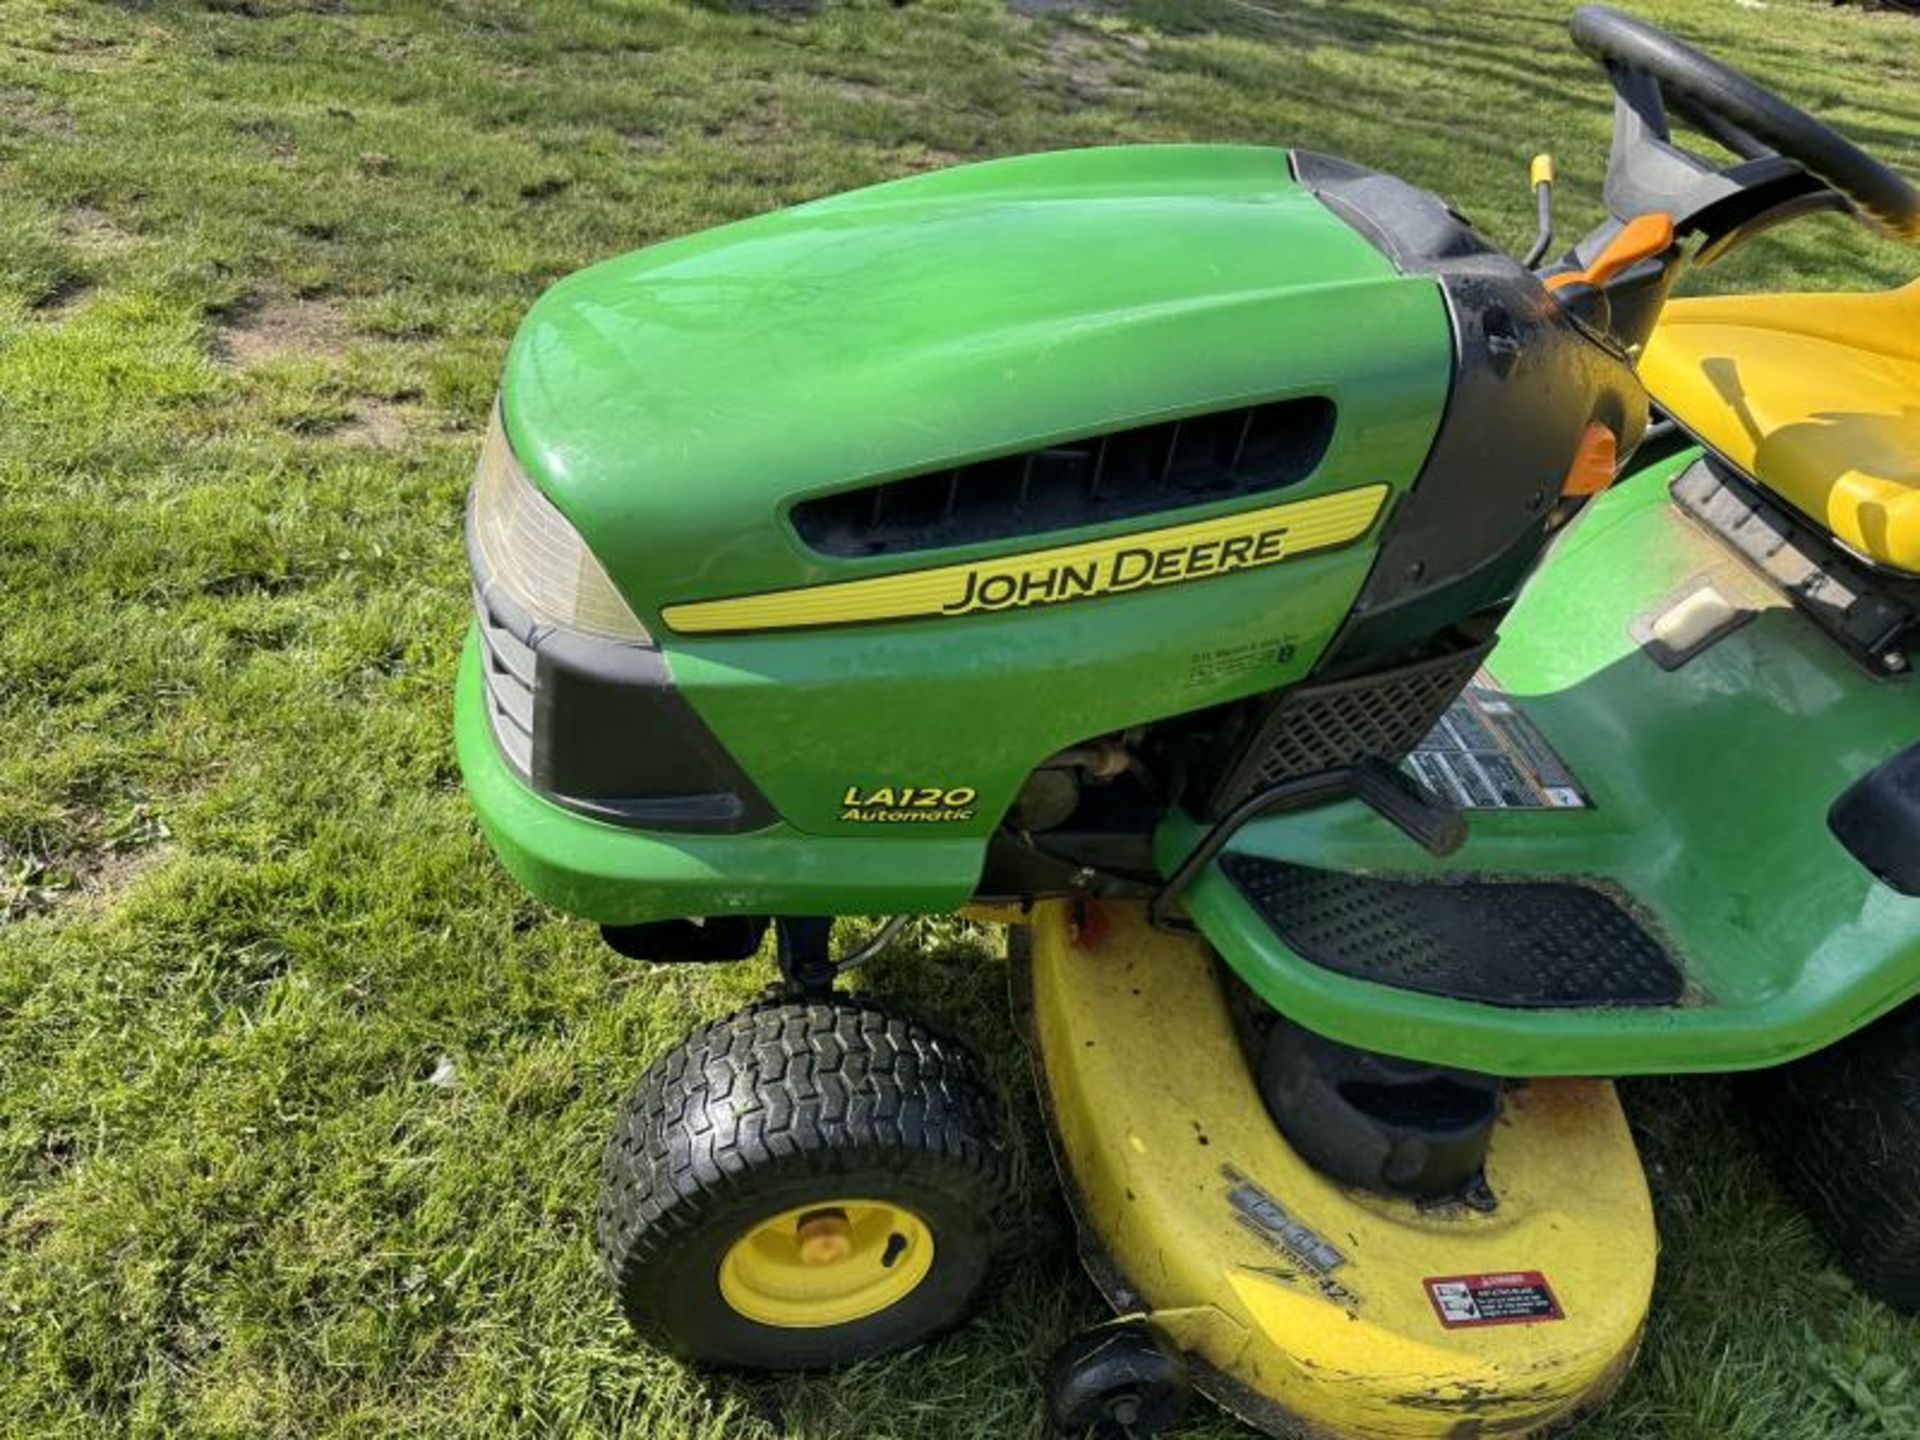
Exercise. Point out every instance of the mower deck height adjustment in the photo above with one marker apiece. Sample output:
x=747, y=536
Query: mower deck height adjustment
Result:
x=804, y=949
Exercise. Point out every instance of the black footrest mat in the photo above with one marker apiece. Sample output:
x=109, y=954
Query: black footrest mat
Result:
x=1524, y=944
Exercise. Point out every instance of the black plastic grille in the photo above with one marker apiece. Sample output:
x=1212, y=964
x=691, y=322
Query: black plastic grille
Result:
x=507, y=663
x=1124, y=473
x=1327, y=726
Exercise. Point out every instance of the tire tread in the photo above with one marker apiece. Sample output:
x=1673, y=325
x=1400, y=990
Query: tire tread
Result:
x=1843, y=1129
x=782, y=1087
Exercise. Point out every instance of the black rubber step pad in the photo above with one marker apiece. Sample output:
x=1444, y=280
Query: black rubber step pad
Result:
x=1524, y=944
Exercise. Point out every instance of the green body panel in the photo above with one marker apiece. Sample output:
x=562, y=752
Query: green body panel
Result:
x=676, y=402
x=619, y=876
x=1710, y=789
x=979, y=702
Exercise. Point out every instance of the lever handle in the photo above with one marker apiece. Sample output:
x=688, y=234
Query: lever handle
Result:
x=1416, y=811
x=1640, y=237
x=1540, y=177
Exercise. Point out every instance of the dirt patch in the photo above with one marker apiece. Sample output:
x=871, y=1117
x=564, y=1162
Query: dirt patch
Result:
x=32, y=883
x=59, y=299
x=380, y=424
x=759, y=122
x=1060, y=7
x=33, y=113
x=275, y=327
x=917, y=161
x=791, y=8
x=94, y=234
x=274, y=137
x=1092, y=65
x=645, y=139
x=27, y=1230
x=852, y=87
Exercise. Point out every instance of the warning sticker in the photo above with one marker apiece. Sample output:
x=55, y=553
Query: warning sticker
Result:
x=1486, y=755
x=1519, y=1297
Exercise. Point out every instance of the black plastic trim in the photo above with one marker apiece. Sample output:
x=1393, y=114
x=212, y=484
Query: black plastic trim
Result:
x=1073, y=483
x=1527, y=380
x=1878, y=819
x=596, y=724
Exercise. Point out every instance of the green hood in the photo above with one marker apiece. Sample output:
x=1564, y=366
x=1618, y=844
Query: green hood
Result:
x=674, y=402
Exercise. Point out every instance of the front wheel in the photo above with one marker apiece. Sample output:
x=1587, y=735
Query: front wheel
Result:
x=801, y=1185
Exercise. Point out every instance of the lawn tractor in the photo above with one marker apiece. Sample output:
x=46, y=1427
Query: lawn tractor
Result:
x=1390, y=690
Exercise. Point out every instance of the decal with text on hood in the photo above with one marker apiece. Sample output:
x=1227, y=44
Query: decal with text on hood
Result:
x=1119, y=565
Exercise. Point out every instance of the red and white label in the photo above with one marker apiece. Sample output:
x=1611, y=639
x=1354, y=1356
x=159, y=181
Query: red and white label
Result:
x=1516, y=1297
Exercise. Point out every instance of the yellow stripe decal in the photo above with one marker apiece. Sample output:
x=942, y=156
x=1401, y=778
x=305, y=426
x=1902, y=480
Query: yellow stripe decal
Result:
x=1114, y=566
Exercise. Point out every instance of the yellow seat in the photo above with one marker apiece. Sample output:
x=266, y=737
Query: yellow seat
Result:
x=1817, y=397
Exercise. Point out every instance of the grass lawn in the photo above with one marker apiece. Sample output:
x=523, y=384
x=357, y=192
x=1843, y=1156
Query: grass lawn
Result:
x=300, y=1102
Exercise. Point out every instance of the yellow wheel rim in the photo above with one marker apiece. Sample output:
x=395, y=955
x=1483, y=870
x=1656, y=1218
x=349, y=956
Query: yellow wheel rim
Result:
x=827, y=1264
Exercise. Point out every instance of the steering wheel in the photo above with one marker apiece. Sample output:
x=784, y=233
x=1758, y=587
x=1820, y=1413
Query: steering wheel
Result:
x=1791, y=163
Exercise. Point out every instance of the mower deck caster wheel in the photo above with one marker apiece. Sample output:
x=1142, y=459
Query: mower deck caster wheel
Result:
x=804, y=1184
x=1121, y=1381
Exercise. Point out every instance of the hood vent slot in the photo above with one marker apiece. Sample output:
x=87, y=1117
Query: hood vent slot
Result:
x=1199, y=460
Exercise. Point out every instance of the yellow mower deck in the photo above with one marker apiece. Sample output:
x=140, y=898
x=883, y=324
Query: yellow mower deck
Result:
x=1304, y=1307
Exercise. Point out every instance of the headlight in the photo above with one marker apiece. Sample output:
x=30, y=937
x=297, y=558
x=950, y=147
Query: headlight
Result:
x=535, y=554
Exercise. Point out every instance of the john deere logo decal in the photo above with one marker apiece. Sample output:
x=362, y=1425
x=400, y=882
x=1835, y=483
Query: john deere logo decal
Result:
x=1133, y=568
x=1055, y=576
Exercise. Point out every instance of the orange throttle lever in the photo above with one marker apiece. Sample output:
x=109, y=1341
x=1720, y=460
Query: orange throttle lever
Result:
x=1639, y=238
